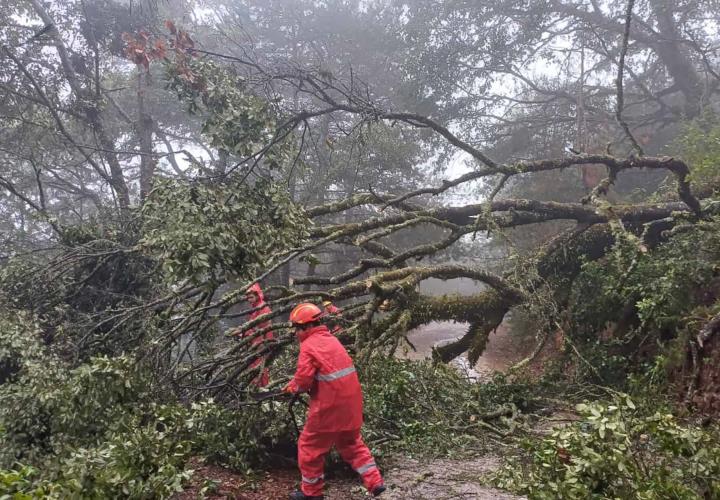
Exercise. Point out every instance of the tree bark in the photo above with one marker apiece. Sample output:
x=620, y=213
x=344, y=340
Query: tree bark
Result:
x=676, y=58
x=145, y=128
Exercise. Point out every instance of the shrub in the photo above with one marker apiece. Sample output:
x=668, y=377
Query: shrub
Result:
x=240, y=439
x=616, y=451
x=19, y=344
x=142, y=461
x=17, y=484
x=50, y=408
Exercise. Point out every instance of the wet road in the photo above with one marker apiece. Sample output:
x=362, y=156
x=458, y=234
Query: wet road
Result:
x=502, y=349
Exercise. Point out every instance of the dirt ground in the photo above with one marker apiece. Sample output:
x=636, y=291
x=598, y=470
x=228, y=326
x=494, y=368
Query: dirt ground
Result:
x=443, y=478
x=407, y=479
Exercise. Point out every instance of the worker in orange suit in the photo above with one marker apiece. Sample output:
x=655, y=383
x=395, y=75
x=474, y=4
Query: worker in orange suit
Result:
x=334, y=312
x=255, y=297
x=325, y=370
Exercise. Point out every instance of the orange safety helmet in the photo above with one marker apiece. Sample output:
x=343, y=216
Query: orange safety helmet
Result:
x=305, y=313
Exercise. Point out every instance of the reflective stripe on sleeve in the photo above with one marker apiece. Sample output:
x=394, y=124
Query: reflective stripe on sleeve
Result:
x=364, y=468
x=328, y=377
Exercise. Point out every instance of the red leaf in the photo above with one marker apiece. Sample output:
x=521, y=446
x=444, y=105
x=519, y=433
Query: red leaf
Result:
x=184, y=41
x=563, y=455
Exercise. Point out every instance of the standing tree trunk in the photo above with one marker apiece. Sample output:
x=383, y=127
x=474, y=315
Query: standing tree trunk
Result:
x=676, y=58
x=145, y=128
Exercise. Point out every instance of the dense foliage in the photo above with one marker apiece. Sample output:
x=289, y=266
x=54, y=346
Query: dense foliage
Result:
x=616, y=450
x=700, y=144
x=102, y=430
x=646, y=300
x=205, y=232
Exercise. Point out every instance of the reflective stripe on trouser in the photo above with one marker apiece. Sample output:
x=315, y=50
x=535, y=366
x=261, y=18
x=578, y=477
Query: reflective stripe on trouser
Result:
x=312, y=448
x=312, y=480
x=329, y=377
x=364, y=468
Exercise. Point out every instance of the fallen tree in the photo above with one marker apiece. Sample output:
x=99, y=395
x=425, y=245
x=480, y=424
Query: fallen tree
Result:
x=186, y=232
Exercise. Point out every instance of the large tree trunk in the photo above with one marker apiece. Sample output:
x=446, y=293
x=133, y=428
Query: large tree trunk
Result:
x=676, y=58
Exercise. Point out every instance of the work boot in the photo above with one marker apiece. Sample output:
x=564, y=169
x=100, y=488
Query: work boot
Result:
x=299, y=495
x=377, y=490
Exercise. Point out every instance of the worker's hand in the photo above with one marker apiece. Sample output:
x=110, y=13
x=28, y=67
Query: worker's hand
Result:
x=289, y=389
